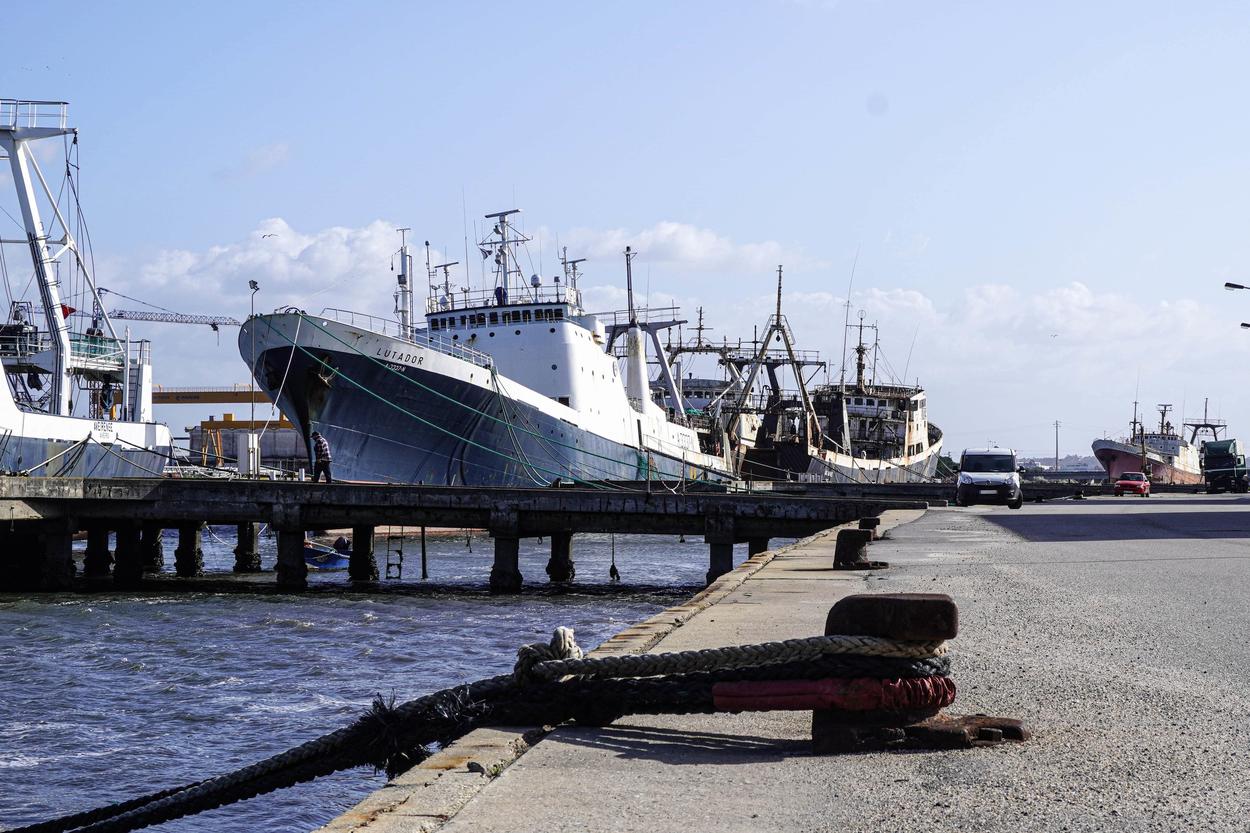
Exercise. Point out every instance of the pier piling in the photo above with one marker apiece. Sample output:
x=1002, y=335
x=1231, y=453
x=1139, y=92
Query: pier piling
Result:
x=189, y=556
x=560, y=567
x=505, y=573
x=362, y=566
x=292, y=569
x=755, y=546
x=128, y=566
x=247, y=551
x=718, y=532
x=97, y=559
x=55, y=542
x=152, y=545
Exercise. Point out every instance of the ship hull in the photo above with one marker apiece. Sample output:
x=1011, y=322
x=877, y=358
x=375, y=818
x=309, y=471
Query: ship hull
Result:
x=1117, y=458
x=418, y=416
x=832, y=467
x=44, y=445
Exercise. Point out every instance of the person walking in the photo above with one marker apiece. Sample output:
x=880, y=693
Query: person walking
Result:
x=321, y=450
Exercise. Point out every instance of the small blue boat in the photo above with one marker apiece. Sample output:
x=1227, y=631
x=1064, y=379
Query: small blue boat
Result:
x=325, y=558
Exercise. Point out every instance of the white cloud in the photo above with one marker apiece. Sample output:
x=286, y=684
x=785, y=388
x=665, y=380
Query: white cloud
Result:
x=686, y=246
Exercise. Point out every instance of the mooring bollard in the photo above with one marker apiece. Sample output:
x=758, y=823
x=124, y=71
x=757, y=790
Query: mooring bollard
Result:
x=850, y=551
x=914, y=720
x=871, y=525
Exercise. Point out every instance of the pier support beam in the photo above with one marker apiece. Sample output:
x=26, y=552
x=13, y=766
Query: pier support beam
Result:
x=49, y=556
x=292, y=569
x=718, y=531
x=97, y=560
x=560, y=567
x=362, y=566
x=152, y=547
x=755, y=546
x=128, y=569
x=189, y=556
x=505, y=573
x=247, y=551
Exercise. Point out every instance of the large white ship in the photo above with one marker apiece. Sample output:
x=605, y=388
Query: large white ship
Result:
x=78, y=398
x=511, y=385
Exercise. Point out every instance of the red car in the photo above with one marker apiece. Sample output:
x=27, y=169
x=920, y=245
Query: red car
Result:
x=1133, y=483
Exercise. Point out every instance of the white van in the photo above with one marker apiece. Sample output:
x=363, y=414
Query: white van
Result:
x=989, y=475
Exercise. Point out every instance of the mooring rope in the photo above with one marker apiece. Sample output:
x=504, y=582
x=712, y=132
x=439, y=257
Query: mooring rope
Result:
x=842, y=672
x=711, y=659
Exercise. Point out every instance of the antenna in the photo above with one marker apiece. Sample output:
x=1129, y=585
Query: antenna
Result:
x=846, y=323
x=778, y=293
x=629, y=285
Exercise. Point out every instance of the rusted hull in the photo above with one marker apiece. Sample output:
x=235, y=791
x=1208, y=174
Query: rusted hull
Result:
x=1117, y=458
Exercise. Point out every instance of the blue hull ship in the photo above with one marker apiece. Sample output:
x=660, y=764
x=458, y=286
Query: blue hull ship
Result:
x=512, y=385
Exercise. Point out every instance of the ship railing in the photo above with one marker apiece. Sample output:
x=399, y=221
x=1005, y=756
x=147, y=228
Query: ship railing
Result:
x=808, y=357
x=373, y=323
x=438, y=302
x=421, y=338
x=644, y=315
x=16, y=112
x=86, y=352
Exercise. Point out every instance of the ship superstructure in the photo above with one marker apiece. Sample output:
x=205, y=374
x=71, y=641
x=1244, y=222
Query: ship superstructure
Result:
x=78, y=398
x=508, y=384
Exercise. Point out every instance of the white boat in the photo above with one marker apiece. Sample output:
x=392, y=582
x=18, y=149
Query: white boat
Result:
x=511, y=384
x=79, y=396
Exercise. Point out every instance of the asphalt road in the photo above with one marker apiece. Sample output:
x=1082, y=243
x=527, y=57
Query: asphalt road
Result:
x=1116, y=628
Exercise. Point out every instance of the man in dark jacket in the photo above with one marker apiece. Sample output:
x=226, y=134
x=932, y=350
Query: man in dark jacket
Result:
x=321, y=450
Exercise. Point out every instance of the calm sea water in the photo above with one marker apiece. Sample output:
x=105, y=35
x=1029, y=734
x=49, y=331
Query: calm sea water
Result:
x=107, y=696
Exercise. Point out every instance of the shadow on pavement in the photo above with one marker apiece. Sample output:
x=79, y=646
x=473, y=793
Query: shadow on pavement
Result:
x=673, y=746
x=1136, y=526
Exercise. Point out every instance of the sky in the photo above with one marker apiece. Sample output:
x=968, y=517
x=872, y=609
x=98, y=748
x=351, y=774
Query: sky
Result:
x=1040, y=203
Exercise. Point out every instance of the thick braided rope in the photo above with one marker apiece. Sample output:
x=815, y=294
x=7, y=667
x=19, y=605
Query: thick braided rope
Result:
x=736, y=656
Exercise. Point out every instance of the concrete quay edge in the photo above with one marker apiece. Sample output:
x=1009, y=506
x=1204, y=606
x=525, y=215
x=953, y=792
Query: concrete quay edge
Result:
x=430, y=794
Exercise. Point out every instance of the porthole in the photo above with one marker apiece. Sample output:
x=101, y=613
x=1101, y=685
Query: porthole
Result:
x=492, y=335
x=551, y=330
x=455, y=338
x=553, y=367
x=518, y=332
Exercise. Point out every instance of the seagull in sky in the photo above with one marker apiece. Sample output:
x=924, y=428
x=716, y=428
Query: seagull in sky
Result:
x=263, y=236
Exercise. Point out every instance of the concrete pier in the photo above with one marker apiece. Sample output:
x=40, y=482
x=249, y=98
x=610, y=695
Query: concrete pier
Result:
x=363, y=565
x=247, y=551
x=1114, y=629
x=509, y=515
x=189, y=556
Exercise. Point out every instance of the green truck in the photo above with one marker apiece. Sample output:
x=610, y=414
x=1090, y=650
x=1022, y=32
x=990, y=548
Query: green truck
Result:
x=1224, y=466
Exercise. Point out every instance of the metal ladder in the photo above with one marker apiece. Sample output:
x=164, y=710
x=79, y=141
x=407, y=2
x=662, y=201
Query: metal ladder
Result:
x=395, y=556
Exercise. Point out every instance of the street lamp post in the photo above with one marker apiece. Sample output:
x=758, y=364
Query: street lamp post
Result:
x=253, y=450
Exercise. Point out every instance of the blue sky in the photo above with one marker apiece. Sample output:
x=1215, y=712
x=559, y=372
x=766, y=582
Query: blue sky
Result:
x=1047, y=198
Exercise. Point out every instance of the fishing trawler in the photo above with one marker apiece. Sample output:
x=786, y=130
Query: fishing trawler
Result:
x=778, y=429
x=513, y=384
x=1163, y=455
x=78, y=402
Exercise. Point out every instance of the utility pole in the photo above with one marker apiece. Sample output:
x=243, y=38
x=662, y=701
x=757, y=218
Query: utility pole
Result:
x=1057, y=424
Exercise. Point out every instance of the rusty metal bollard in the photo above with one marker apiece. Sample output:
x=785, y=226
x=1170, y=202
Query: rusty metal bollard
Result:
x=850, y=551
x=918, y=617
